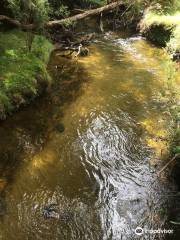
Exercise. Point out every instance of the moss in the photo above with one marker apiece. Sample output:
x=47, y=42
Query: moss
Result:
x=22, y=73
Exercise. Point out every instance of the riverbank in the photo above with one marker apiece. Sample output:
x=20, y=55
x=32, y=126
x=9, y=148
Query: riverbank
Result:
x=23, y=74
x=162, y=27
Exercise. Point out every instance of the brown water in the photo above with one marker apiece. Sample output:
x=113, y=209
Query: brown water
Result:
x=100, y=170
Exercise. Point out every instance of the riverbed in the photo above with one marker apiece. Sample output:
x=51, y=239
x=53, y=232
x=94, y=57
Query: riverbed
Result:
x=92, y=147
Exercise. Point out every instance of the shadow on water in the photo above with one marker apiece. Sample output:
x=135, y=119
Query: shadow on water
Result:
x=27, y=133
x=91, y=147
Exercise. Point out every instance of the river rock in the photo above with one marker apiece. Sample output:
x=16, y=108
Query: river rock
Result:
x=50, y=211
x=60, y=128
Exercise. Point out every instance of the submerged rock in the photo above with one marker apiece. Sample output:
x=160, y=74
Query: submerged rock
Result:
x=60, y=128
x=50, y=211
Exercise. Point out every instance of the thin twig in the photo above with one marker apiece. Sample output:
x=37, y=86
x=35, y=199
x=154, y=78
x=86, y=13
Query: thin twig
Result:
x=127, y=9
x=172, y=160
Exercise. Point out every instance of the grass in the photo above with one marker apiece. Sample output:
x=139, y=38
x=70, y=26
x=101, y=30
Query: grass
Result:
x=22, y=73
x=167, y=20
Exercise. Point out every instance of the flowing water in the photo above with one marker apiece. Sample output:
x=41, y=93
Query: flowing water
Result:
x=90, y=149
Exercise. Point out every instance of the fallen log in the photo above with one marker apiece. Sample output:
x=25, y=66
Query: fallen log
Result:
x=53, y=23
x=86, y=14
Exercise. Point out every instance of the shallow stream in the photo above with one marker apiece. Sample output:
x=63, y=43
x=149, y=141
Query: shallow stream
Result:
x=90, y=149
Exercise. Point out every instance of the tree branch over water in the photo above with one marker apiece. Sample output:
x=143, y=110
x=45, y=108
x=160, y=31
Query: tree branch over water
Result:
x=53, y=23
x=86, y=14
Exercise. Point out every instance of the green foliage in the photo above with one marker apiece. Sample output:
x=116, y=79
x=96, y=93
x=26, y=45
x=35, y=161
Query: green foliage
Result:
x=30, y=11
x=20, y=70
x=61, y=8
x=61, y=11
x=176, y=150
x=94, y=2
x=41, y=48
x=15, y=7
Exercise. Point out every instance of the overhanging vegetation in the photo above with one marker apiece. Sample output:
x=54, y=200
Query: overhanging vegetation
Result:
x=23, y=74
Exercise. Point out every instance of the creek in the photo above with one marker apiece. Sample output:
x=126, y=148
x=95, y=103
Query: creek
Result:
x=91, y=147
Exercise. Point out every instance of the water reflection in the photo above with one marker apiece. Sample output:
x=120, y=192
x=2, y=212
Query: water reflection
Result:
x=91, y=148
